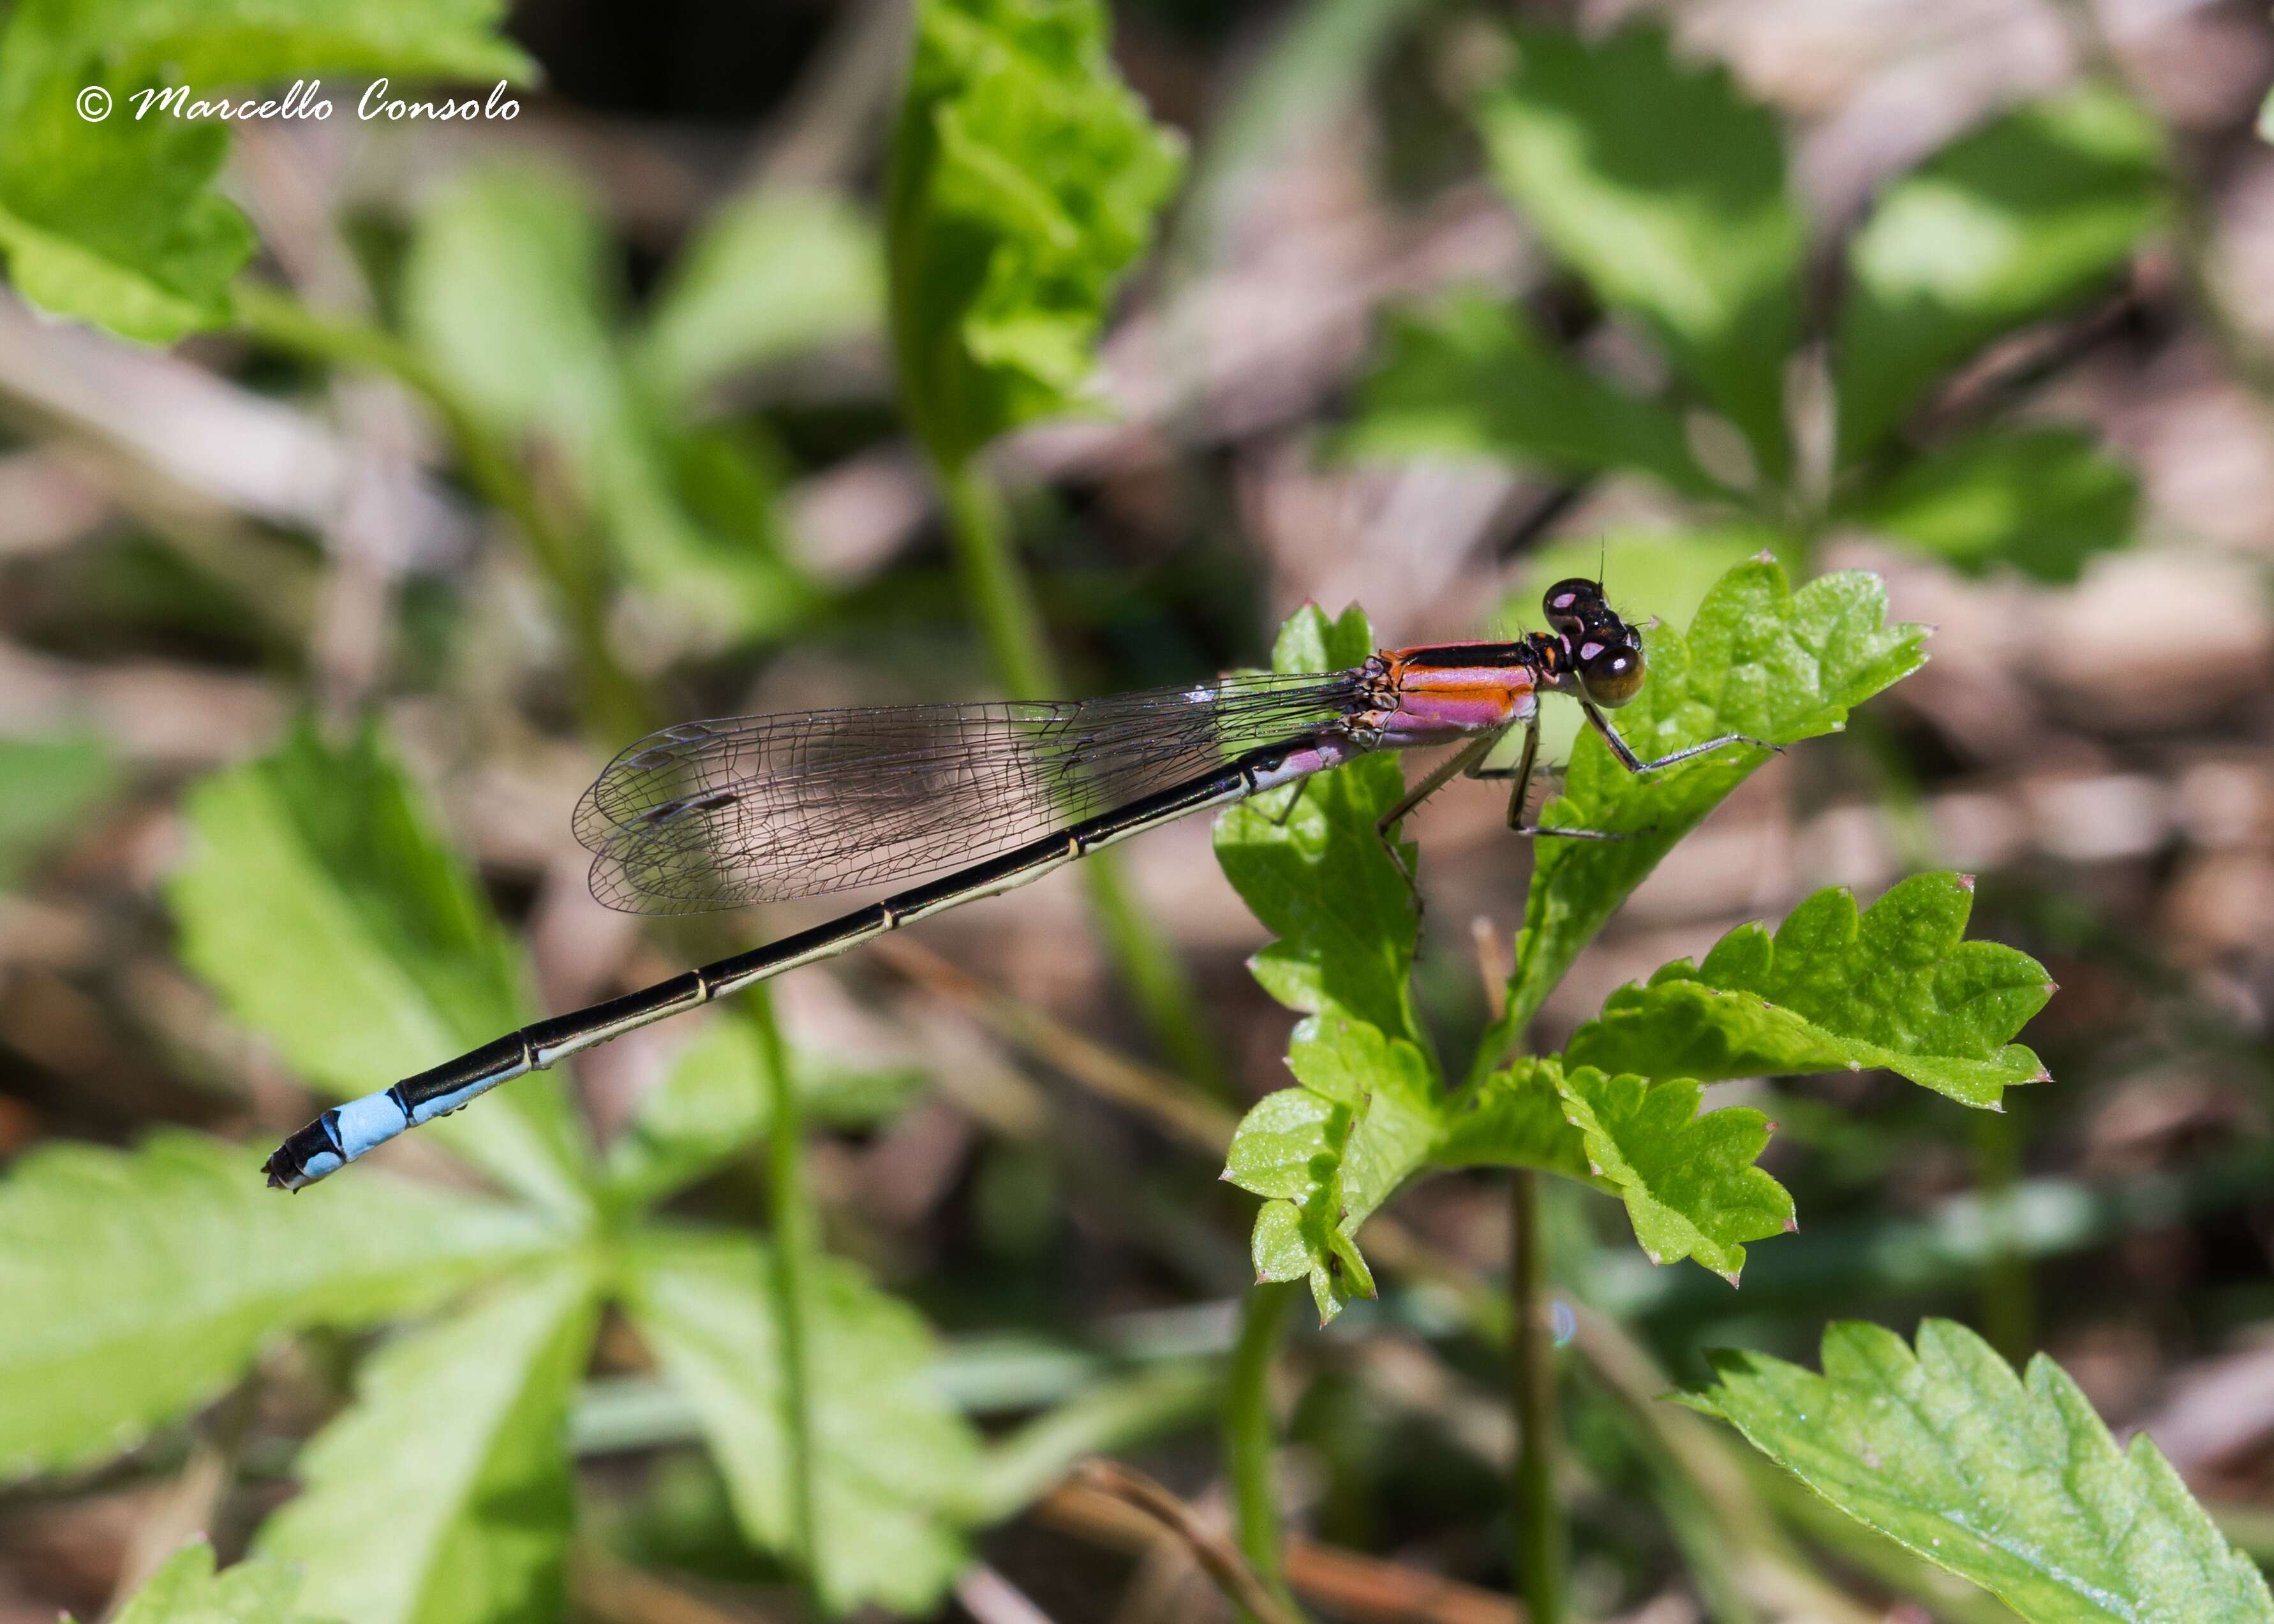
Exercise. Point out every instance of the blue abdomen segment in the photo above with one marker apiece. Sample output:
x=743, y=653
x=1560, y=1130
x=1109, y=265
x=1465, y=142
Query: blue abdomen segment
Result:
x=346, y=1132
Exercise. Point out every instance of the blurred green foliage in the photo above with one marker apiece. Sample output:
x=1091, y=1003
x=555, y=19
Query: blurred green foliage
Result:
x=1664, y=190
x=1025, y=178
x=116, y=219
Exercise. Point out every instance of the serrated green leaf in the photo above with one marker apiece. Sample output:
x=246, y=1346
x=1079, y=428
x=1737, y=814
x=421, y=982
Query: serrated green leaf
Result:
x=2013, y=1484
x=1897, y=986
x=1025, y=178
x=1332, y=1151
x=443, y=1494
x=505, y=290
x=140, y=1286
x=1317, y=877
x=186, y=1589
x=893, y=1460
x=1312, y=870
x=2001, y=227
x=1516, y=1117
x=1665, y=187
x=1760, y=659
x=715, y=1102
x=1688, y=1181
x=46, y=786
x=2041, y=500
x=1647, y=573
x=116, y=221
x=1470, y=378
x=768, y=276
x=318, y=901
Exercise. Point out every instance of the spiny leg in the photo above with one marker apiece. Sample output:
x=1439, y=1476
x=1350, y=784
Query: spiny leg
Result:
x=1464, y=760
x=1522, y=773
x=1634, y=763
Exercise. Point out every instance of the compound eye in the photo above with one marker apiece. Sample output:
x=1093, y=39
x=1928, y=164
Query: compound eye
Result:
x=1610, y=672
x=1570, y=604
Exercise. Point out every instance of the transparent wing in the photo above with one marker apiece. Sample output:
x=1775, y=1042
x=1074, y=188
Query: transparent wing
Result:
x=717, y=815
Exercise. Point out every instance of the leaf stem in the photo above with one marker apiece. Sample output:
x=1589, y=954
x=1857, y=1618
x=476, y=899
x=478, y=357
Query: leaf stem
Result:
x=615, y=707
x=790, y=1290
x=1538, y=1549
x=1250, y=1436
x=1002, y=600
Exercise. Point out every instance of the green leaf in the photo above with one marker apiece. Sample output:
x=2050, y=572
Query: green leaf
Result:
x=504, y=288
x=46, y=785
x=443, y=1495
x=1025, y=178
x=1665, y=187
x=1646, y=573
x=1326, y=1155
x=186, y=1589
x=1307, y=862
x=768, y=276
x=1316, y=876
x=2014, y=1485
x=1471, y=378
x=116, y=221
x=318, y=900
x=1688, y=1181
x=1898, y=987
x=2041, y=500
x=140, y=1286
x=893, y=1461
x=715, y=1102
x=1516, y=1117
x=2002, y=227
x=1760, y=659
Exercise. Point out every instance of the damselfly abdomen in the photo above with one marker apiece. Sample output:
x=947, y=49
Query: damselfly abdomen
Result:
x=718, y=815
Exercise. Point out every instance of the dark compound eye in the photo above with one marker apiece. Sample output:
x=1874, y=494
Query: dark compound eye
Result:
x=1611, y=667
x=1573, y=605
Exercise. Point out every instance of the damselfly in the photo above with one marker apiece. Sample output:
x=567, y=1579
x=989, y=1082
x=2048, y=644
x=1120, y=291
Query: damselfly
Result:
x=716, y=815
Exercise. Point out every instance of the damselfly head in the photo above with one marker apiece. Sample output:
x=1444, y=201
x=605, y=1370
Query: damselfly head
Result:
x=1603, y=651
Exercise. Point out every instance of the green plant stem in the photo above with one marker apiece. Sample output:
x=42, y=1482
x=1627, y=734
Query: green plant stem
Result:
x=790, y=1288
x=1003, y=602
x=1250, y=1436
x=1538, y=1551
x=614, y=708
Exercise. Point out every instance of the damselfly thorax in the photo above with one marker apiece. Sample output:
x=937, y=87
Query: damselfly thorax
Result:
x=989, y=797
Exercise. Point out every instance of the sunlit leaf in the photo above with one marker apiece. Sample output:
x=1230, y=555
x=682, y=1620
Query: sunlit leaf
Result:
x=318, y=901
x=893, y=1463
x=1897, y=986
x=768, y=276
x=715, y=1103
x=1760, y=659
x=140, y=1286
x=1025, y=178
x=186, y=1589
x=46, y=785
x=1313, y=870
x=2013, y=222
x=2013, y=1484
x=116, y=219
x=2041, y=500
x=1471, y=378
x=1663, y=185
x=1688, y=1180
x=443, y=1494
x=1325, y=1156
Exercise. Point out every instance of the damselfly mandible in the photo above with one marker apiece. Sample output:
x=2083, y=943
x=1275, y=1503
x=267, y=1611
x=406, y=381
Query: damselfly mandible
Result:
x=716, y=815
